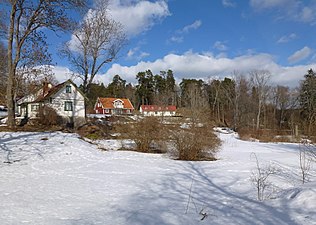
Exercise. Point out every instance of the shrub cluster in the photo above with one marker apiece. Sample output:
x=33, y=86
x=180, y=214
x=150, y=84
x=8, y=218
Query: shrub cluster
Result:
x=195, y=143
x=48, y=116
x=146, y=133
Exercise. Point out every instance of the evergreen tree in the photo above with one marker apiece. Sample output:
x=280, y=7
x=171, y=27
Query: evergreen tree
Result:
x=308, y=100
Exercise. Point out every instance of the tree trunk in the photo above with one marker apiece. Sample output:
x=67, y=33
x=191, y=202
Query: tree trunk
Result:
x=11, y=71
x=258, y=116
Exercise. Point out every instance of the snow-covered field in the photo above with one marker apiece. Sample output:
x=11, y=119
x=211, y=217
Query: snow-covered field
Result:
x=57, y=178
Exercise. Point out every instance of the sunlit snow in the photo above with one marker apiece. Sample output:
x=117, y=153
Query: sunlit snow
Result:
x=59, y=179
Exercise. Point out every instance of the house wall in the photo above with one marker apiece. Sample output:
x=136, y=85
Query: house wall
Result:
x=158, y=113
x=33, y=109
x=98, y=108
x=59, y=100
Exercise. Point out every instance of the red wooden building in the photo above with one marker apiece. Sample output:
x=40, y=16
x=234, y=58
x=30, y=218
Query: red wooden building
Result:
x=113, y=106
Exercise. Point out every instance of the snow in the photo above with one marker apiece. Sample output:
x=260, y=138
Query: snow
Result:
x=56, y=178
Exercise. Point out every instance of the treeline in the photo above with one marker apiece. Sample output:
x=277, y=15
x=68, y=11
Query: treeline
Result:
x=243, y=101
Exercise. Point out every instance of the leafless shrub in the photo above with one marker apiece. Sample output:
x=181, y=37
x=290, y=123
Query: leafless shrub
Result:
x=146, y=134
x=260, y=178
x=306, y=153
x=195, y=143
x=48, y=116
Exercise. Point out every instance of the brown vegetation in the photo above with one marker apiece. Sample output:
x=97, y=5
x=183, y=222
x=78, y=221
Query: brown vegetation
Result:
x=194, y=143
x=146, y=133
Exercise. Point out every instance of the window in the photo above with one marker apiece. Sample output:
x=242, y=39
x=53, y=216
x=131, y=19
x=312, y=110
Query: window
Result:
x=68, y=89
x=118, y=104
x=34, y=108
x=68, y=106
x=106, y=110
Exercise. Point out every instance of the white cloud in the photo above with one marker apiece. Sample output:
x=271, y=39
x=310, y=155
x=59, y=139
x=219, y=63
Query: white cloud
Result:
x=220, y=46
x=287, y=38
x=195, y=25
x=178, y=37
x=138, y=16
x=205, y=65
x=228, y=3
x=130, y=53
x=135, y=53
x=300, y=55
x=265, y=4
x=63, y=73
x=201, y=66
x=307, y=14
x=295, y=10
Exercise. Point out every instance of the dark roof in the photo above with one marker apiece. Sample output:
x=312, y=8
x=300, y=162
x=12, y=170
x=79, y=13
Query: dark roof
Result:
x=55, y=89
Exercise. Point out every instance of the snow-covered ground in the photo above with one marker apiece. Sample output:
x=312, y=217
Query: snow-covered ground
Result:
x=59, y=179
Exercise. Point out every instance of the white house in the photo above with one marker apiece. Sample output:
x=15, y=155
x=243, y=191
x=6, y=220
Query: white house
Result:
x=67, y=100
x=156, y=110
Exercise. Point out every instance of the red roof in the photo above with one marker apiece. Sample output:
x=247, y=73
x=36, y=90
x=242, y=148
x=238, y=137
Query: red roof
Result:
x=156, y=108
x=107, y=103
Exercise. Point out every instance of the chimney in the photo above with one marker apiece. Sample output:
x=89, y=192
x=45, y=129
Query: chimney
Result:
x=46, y=87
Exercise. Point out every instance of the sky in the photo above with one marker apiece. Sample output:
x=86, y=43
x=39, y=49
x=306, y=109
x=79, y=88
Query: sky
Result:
x=211, y=39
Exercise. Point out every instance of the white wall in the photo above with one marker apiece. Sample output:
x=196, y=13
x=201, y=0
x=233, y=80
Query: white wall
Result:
x=59, y=99
x=159, y=113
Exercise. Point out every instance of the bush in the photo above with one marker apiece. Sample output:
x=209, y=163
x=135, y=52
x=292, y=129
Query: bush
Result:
x=195, y=143
x=146, y=134
x=48, y=116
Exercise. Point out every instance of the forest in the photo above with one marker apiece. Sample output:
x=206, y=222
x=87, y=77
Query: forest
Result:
x=240, y=101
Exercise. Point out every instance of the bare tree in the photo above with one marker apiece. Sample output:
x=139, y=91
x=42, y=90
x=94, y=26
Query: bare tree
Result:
x=26, y=40
x=28, y=80
x=96, y=42
x=242, y=102
x=260, y=178
x=259, y=79
x=305, y=160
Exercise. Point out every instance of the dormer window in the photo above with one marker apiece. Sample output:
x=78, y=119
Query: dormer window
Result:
x=68, y=88
x=118, y=104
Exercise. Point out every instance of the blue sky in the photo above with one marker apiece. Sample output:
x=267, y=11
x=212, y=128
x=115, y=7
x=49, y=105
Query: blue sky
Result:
x=213, y=38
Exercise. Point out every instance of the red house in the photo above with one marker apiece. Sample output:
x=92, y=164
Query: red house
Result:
x=113, y=106
x=157, y=110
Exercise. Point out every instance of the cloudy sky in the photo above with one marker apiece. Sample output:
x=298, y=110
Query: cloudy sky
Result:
x=213, y=38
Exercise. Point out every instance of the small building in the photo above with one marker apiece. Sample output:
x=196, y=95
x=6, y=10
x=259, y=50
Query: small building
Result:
x=65, y=98
x=113, y=106
x=156, y=110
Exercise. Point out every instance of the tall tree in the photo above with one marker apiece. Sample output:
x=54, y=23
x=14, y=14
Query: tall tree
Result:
x=145, y=88
x=260, y=83
x=171, y=88
x=193, y=94
x=308, y=99
x=96, y=42
x=117, y=87
x=26, y=40
x=160, y=88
